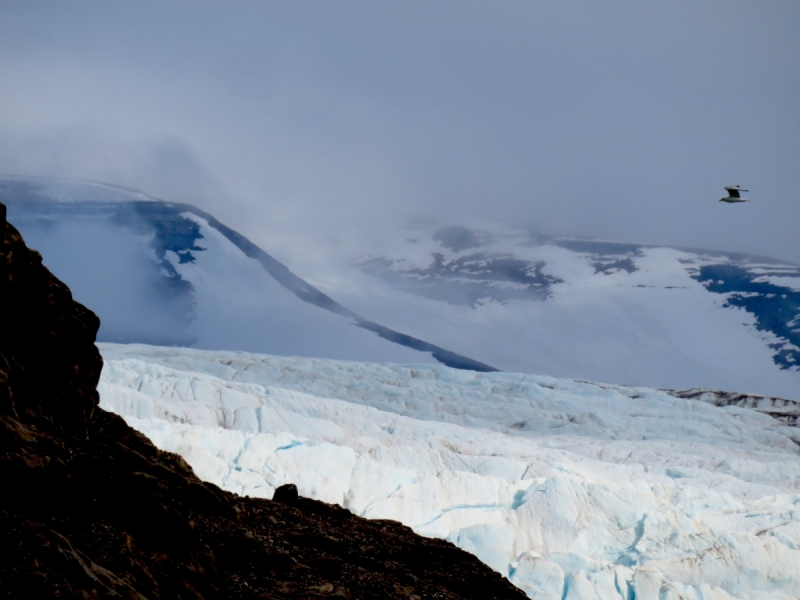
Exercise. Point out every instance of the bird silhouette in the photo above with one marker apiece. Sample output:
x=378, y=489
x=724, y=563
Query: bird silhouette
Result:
x=733, y=194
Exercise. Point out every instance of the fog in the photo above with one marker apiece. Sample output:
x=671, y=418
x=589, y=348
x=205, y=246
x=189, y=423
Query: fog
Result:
x=117, y=280
x=311, y=127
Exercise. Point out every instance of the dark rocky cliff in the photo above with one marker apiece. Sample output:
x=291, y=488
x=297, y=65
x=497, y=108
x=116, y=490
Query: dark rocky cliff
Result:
x=91, y=509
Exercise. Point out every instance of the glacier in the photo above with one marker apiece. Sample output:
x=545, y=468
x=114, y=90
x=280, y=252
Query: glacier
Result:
x=571, y=489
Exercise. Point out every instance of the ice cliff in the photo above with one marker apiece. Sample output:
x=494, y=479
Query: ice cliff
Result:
x=572, y=490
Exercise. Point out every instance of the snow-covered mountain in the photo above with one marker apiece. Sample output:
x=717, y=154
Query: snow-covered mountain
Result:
x=601, y=311
x=573, y=490
x=478, y=297
x=170, y=274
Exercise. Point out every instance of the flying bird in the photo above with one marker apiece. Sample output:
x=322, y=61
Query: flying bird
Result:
x=733, y=194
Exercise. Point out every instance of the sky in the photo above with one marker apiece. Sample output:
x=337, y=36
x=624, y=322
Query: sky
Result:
x=311, y=127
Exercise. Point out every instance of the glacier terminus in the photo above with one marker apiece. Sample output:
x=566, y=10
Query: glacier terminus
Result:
x=571, y=489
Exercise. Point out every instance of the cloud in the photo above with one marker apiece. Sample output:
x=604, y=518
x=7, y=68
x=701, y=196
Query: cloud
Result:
x=123, y=286
x=162, y=166
x=308, y=126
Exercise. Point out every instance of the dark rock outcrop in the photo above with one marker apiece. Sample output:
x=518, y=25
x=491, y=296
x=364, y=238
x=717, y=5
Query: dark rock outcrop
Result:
x=91, y=509
x=780, y=409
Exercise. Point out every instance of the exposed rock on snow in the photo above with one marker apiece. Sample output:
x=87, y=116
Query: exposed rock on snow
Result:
x=599, y=310
x=781, y=409
x=571, y=489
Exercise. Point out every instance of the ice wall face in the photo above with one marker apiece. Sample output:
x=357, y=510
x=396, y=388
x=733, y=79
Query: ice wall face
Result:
x=572, y=490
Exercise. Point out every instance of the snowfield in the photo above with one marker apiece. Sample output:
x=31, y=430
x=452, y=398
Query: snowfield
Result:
x=571, y=489
x=477, y=295
x=601, y=311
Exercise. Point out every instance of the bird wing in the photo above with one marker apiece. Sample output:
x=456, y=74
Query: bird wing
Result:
x=733, y=191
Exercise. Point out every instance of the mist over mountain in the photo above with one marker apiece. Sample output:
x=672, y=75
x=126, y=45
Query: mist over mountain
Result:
x=477, y=296
x=170, y=274
x=591, y=309
x=455, y=264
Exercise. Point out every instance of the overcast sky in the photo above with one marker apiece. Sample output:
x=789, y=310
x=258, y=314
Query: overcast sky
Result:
x=298, y=122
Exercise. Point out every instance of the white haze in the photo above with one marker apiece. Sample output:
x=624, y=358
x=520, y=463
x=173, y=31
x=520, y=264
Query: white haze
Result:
x=311, y=127
x=119, y=284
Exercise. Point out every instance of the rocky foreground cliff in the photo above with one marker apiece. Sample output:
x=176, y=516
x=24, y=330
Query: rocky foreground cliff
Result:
x=91, y=509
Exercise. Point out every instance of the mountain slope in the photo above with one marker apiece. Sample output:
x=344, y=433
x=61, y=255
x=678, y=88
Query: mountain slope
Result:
x=478, y=297
x=600, y=311
x=169, y=273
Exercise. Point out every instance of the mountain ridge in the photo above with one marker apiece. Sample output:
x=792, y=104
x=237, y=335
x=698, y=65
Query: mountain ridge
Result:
x=480, y=297
x=172, y=232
